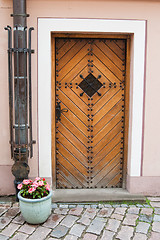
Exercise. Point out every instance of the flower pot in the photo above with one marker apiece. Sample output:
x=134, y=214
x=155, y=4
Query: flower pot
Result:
x=35, y=211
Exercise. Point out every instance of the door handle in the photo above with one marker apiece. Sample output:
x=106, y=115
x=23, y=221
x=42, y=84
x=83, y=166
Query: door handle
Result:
x=59, y=111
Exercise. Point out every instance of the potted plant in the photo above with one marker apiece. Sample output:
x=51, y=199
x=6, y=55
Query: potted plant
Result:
x=35, y=200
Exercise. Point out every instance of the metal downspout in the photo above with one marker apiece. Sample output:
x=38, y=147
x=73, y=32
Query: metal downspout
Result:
x=20, y=169
x=20, y=97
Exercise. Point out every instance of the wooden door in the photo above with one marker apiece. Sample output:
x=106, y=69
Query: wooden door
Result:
x=90, y=112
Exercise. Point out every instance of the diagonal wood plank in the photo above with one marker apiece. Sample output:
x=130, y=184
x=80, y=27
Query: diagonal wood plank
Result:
x=72, y=159
x=73, y=62
x=65, y=48
x=82, y=116
x=75, y=99
x=106, y=169
x=105, y=181
x=97, y=165
x=74, y=175
x=119, y=52
x=111, y=55
x=105, y=99
x=120, y=43
x=62, y=180
x=73, y=139
x=107, y=117
x=75, y=130
x=75, y=120
x=107, y=62
x=73, y=71
x=71, y=53
x=109, y=146
x=116, y=98
x=75, y=152
x=114, y=121
x=100, y=65
x=107, y=138
x=59, y=43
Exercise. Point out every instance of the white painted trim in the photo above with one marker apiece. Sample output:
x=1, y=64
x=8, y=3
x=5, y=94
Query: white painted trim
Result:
x=48, y=25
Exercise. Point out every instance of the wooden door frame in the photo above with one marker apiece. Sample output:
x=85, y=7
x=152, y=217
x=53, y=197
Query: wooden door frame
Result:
x=53, y=90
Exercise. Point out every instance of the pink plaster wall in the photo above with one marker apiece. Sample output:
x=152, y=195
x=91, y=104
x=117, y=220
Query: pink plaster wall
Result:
x=146, y=10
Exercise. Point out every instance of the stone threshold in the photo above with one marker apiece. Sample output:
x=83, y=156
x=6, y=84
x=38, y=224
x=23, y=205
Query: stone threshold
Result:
x=94, y=195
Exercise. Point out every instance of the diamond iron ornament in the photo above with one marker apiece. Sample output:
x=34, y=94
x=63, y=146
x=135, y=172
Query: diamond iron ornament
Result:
x=90, y=85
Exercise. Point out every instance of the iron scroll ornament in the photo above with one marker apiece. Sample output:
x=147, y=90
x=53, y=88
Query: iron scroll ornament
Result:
x=59, y=111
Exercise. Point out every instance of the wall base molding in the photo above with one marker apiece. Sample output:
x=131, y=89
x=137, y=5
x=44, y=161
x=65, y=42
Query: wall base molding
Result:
x=7, y=180
x=149, y=186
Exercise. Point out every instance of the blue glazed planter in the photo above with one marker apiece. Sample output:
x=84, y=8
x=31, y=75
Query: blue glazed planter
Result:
x=35, y=211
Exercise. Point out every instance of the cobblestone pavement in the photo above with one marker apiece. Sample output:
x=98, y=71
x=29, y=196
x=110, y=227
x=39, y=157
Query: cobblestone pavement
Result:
x=86, y=221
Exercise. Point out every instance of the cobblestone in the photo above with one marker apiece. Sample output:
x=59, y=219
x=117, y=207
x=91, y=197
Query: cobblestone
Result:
x=107, y=235
x=156, y=218
x=69, y=221
x=72, y=206
x=117, y=216
x=139, y=205
x=105, y=212
x=2, y=237
x=84, y=220
x=26, y=228
x=154, y=236
x=98, y=221
x=124, y=205
x=96, y=226
x=89, y=236
x=19, y=219
x=59, y=232
x=125, y=233
x=77, y=230
x=113, y=225
x=76, y=211
x=63, y=206
x=20, y=236
x=40, y=233
x=140, y=236
x=147, y=211
x=90, y=213
x=4, y=221
x=2, y=210
x=10, y=229
x=133, y=210
x=145, y=218
x=70, y=237
x=120, y=210
x=155, y=204
x=142, y=227
x=156, y=226
x=62, y=211
x=157, y=210
x=53, y=221
x=12, y=212
x=107, y=205
x=130, y=219
x=54, y=205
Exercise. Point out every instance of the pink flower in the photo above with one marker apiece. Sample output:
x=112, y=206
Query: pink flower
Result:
x=19, y=186
x=26, y=181
x=40, y=183
x=47, y=187
x=37, y=178
x=35, y=184
x=30, y=190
